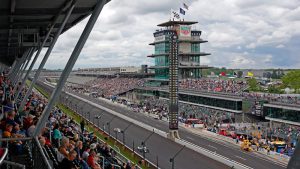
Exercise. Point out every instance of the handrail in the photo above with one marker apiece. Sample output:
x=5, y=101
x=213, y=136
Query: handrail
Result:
x=14, y=164
x=4, y=155
x=41, y=151
x=16, y=139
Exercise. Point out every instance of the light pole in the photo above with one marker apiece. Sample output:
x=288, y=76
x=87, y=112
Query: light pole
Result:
x=89, y=113
x=173, y=158
x=117, y=130
x=76, y=110
x=66, y=100
x=82, y=112
x=108, y=124
x=70, y=105
x=98, y=117
x=123, y=132
x=143, y=148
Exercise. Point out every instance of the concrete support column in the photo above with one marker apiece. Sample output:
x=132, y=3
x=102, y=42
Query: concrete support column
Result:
x=19, y=65
x=20, y=75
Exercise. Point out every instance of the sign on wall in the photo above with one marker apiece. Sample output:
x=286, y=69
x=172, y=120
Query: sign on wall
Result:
x=185, y=31
x=159, y=38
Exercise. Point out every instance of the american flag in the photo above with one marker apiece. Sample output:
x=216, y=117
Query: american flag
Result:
x=185, y=6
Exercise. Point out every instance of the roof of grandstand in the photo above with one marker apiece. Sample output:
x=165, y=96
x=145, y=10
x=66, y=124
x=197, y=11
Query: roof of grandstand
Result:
x=24, y=23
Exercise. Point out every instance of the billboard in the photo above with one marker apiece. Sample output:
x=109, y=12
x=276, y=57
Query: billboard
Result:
x=185, y=31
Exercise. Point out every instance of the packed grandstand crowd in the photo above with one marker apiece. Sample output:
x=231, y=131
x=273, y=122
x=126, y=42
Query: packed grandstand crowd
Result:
x=108, y=87
x=64, y=142
x=213, y=85
x=212, y=119
x=113, y=86
x=273, y=97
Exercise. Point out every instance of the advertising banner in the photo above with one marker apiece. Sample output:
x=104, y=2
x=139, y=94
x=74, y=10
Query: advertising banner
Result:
x=185, y=31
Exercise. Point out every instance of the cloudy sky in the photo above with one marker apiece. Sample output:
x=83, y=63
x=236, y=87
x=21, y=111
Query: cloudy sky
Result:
x=240, y=33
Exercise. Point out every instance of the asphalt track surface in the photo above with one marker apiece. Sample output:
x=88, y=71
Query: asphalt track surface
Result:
x=162, y=148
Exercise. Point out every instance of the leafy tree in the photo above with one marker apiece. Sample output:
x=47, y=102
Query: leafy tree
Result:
x=253, y=86
x=274, y=89
x=292, y=80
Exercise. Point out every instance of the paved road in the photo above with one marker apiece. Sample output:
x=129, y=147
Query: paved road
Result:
x=230, y=151
x=160, y=148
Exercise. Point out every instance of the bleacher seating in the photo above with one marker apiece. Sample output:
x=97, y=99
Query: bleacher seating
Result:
x=21, y=124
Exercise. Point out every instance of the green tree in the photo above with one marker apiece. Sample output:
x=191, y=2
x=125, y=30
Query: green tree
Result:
x=253, y=86
x=274, y=89
x=292, y=80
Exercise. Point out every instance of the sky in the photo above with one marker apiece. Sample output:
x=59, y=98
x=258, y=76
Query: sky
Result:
x=240, y=33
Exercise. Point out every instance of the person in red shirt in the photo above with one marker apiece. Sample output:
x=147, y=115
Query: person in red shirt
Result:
x=92, y=160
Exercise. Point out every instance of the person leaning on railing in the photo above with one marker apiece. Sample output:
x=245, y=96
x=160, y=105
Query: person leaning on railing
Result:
x=8, y=133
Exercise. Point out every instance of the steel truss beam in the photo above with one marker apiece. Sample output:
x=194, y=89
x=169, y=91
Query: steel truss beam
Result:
x=46, y=55
x=68, y=68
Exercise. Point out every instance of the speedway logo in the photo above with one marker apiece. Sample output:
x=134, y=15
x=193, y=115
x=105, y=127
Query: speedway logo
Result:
x=185, y=30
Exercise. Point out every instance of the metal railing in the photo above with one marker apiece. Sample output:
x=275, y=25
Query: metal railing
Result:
x=37, y=157
x=5, y=151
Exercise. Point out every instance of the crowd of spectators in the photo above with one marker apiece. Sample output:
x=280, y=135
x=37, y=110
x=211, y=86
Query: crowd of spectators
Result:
x=213, y=85
x=63, y=141
x=237, y=88
x=108, y=87
x=278, y=98
x=207, y=116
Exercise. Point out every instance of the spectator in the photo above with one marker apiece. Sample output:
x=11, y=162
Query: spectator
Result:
x=86, y=154
x=56, y=135
x=92, y=160
x=67, y=162
x=82, y=123
x=64, y=148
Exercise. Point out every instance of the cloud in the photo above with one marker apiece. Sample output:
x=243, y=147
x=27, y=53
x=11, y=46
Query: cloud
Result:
x=241, y=34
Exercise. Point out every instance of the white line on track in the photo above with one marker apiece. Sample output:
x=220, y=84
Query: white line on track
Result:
x=241, y=151
x=190, y=138
x=212, y=147
x=240, y=157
